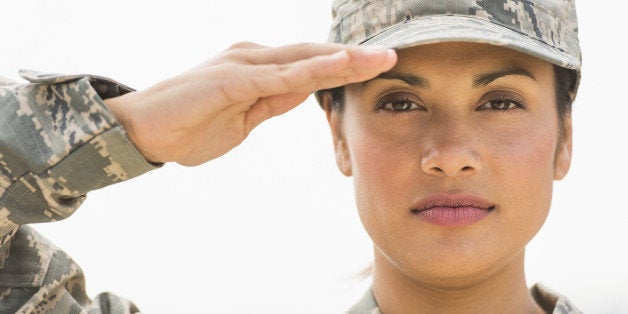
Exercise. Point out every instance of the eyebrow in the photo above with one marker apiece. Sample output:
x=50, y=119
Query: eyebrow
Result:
x=482, y=79
x=412, y=80
x=487, y=78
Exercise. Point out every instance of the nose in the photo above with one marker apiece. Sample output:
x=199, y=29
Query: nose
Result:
x=451, y=152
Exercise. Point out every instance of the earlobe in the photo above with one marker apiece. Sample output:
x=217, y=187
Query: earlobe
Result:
x=342, y=157
x=563, y=151
x=334, y=118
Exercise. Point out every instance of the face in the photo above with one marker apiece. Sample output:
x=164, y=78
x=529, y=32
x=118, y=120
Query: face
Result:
x=453, y=154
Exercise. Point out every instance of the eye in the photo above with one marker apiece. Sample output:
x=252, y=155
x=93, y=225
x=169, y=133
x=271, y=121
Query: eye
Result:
x=501, y=102
x=399, y=102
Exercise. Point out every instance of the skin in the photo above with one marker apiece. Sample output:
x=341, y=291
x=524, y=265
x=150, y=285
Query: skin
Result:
x=450, y=136
x=205, y=112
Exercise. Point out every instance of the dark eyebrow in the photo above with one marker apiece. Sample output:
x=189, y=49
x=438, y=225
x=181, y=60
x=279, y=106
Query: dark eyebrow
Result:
x=486, y=78
x=412, y=80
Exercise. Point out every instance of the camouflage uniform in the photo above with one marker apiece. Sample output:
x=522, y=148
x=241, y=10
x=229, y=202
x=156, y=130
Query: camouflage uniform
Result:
x=547, y=299
x=57, y=142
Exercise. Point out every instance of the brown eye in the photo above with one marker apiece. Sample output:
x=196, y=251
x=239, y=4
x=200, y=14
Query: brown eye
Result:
x=399, y=103
x=501, y=102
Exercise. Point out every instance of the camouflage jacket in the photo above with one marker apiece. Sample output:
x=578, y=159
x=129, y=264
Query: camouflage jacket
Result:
x=547, y=299
x=57, y=142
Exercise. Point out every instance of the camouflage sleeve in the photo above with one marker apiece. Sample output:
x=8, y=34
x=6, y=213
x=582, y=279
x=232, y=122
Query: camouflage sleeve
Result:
x=38, y=277
x=57, y=142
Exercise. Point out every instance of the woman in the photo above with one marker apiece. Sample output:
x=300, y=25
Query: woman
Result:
x=453, y=150
x=453, y=156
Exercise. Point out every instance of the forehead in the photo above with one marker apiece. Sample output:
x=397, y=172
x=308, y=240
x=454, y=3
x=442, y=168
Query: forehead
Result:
x=464, y=55
x=461, y=66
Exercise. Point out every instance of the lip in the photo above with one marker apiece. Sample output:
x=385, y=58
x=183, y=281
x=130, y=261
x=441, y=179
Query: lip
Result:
x=452, y=210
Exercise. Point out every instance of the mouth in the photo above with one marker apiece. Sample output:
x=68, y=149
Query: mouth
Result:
x=452, y=210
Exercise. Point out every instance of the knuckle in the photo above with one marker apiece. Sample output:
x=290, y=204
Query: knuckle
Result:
x=231, y=55
x=242, y=45
x=235, y=51
x=241, y=52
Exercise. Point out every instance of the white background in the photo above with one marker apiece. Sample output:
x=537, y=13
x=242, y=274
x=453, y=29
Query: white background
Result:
x=272, y=227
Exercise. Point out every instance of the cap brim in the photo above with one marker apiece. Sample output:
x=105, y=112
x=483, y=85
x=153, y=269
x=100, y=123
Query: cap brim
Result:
x=453, y=28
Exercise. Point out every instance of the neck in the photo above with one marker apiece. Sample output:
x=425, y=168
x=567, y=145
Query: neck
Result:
x=504, y=291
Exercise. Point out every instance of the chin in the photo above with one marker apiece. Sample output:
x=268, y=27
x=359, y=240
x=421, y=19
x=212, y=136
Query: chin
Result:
x=454, y=276
x=448, y=267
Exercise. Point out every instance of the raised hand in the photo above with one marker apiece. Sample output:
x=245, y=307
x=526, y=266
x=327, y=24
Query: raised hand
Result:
x=208, y=110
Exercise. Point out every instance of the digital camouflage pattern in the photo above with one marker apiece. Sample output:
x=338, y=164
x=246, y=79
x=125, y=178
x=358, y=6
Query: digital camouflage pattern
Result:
x=547, y=29
x=57, y=142
x=547, y=299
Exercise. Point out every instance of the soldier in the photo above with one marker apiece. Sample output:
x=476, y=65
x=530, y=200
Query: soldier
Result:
x=453, y=141
x=453, y=151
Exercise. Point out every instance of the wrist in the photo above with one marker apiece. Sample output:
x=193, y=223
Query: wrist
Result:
x=120, y=107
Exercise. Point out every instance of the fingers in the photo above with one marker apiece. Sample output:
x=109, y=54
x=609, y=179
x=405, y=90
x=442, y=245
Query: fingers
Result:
x=250, y=82
x=320, y=72
x=284, y=87
x=255, y=54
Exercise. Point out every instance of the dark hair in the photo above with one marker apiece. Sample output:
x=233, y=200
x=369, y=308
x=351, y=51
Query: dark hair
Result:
x=565, y=86
x=566, y=81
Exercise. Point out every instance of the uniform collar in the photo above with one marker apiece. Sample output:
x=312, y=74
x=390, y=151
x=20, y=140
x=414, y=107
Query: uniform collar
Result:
x=550, y=301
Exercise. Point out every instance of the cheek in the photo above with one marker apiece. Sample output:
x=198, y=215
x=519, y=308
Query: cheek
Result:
x=385, y=169
x=521, y=165
x=525, y=155
x=384, y=161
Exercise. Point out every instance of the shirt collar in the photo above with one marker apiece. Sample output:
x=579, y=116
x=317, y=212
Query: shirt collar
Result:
x=546, y=298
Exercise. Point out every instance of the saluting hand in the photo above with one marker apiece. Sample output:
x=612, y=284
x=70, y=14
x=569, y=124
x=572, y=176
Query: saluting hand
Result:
x=208, y=110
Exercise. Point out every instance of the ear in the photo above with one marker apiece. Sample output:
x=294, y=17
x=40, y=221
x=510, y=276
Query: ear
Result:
x=563, y=151
x=334, y=117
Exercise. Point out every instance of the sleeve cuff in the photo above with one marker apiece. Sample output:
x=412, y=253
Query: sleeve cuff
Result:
x=108, y=158
x=61, y=141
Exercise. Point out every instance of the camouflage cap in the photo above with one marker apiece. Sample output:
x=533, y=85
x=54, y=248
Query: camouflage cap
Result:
x=547, y=29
